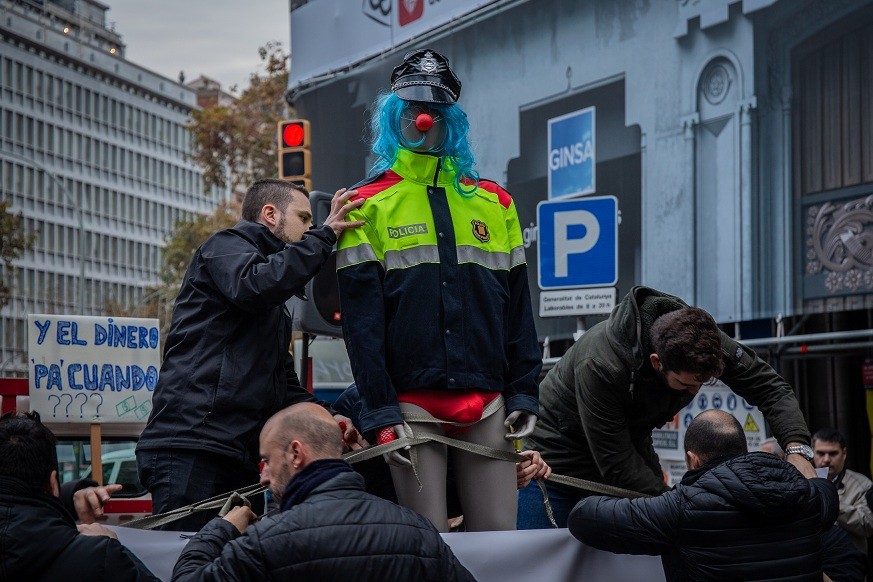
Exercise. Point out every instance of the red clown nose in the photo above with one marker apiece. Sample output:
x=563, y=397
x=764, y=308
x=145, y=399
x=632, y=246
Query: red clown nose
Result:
x=423, y=122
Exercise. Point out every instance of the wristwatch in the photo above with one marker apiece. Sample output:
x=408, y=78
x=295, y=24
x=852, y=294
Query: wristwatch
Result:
x=804, y=451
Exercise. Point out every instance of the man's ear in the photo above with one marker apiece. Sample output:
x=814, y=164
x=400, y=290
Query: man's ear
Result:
x=54, y=486
x=692, y=461
x=296, y=454
x=269, y=215
x=656, y=362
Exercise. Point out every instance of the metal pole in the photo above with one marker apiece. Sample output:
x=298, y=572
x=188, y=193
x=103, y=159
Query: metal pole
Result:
x=80, y=216
x=810, y=337
x=304, y=362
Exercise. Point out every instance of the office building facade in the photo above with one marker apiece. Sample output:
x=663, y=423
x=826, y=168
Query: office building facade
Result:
x=94, y=152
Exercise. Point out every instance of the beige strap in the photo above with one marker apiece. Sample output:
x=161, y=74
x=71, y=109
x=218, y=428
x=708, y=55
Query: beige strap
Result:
x=371, y=452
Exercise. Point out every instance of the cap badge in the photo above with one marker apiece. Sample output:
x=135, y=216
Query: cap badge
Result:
x=427, y=64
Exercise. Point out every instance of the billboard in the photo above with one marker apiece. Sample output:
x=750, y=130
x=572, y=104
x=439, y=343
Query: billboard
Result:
x=330, y=35
x=572, y=154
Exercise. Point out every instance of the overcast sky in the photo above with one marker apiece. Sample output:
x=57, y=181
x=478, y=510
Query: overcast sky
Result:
x=216, y=38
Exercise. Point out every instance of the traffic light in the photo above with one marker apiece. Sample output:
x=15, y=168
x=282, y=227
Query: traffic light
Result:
x=320, y=313
x=294, y=164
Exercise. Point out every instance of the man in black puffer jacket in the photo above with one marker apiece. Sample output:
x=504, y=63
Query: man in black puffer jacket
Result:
x=39, y=539
x=735, y=515
x=328, y=528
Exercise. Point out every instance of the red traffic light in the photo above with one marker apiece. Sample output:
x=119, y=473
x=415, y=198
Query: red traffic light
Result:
x=293, y=151
x=293, y=133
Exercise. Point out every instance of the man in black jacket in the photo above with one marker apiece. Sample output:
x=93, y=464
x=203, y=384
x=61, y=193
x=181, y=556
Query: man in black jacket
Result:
x=39, y=539
x=328, y=527
x=226, y=364
x=735, y=515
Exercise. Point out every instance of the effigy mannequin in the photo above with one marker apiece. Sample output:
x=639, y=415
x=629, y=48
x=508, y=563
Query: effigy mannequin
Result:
x=435, y=301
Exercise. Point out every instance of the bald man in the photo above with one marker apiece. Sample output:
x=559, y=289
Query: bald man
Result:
x=735, y=516
x=328, y=527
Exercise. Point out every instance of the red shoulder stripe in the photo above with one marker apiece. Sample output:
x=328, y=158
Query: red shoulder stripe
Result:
x=502, y=195
x=386, y=180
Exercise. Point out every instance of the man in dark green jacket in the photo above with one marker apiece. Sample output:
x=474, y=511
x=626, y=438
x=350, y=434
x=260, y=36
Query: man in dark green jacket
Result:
x=632, y=373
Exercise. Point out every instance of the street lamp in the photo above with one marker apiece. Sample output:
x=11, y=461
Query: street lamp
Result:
x=80, y=218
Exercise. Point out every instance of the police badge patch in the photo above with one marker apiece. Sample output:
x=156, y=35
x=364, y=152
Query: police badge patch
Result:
x=480, y=230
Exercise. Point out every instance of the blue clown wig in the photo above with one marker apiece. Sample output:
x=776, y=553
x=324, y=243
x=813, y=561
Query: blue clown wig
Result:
x=385, y=123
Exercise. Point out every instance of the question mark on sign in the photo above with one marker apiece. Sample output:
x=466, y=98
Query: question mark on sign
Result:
x=55, y=409
x=84, y=402
x=67, y=409
x=97, y=410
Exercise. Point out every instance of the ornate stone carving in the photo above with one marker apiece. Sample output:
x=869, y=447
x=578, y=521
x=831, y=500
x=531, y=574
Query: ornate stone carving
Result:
x=716, y=83
x=839, y=244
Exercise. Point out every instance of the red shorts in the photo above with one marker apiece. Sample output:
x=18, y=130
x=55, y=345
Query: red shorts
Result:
x=464, y=406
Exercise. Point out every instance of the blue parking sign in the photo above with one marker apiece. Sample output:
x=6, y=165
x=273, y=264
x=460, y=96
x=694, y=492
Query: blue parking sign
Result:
x=578, y=243
x=572, y=154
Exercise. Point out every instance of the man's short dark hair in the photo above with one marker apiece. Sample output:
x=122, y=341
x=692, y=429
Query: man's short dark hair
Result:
x=830, y=435
x=688, y=340
x=270, y=191
x=714, y=434
x=27, y=450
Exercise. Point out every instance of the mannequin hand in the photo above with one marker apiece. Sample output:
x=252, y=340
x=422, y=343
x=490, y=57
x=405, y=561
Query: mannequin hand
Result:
x=523, y=422
x=395, y=457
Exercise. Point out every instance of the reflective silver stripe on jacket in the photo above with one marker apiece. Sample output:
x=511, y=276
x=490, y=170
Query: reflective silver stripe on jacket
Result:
x=418, y=255
x=518, y=257
x=354, y=255
x=410, y=257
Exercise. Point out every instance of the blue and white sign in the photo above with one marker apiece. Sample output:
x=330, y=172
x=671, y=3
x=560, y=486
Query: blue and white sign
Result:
x=578, y=243
x=572, y=154
x=92, y=369
x=711, y=396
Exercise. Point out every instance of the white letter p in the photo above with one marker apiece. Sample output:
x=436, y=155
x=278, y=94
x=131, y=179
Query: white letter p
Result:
x=565, y=246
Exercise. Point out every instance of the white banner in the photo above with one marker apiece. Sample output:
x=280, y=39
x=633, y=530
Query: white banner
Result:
x=92, y=369
x=493, y=556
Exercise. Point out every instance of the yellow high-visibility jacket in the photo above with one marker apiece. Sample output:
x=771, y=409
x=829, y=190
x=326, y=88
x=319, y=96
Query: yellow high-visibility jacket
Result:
x=434, y=291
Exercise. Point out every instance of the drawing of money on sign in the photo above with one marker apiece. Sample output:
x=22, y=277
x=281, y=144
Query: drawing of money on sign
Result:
x=142, y=411
x=125, y=406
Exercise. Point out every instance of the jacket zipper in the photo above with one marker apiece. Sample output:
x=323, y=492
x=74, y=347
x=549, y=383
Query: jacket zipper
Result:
x=436, y=173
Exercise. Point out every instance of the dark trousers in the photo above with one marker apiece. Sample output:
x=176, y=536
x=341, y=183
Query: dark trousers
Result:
x=178, y=477
x=532, y=511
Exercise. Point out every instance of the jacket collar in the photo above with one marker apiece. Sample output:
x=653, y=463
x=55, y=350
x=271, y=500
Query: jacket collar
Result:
x=692, y=476
x=260, y=236
x=14, y=486
x=21, y=491
x=310, y=479
x=423, y=168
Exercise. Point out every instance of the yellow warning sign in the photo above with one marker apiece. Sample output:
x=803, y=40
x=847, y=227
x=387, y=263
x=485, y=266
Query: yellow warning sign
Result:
x=750, y=425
